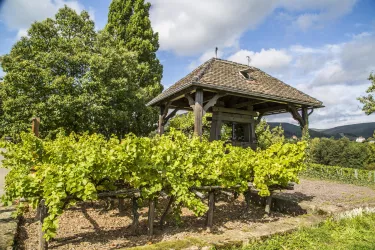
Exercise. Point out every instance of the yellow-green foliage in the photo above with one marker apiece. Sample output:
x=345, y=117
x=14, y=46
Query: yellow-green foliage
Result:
x=77, y=167
x=267, y=137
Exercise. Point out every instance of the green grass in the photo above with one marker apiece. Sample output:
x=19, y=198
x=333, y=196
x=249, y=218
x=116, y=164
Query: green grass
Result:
x=354, y=233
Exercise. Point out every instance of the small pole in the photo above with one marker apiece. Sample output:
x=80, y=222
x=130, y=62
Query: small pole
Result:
x=162, y=219
x=35, y=126
x=135, y=223
x=211, y=207
x=43, y=244
x=151, y=216
x=121, y=205
x=268, y=204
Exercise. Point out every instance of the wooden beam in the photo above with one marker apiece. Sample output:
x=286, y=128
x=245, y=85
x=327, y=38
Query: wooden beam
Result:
x=247, y=103
x=198, y=113
x=191, y=101
x=232, y=118
x=233, y=111
x=274, y=108
x=212, y=102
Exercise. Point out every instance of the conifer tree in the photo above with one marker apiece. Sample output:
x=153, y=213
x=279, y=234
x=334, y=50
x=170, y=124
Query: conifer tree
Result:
x=129, y=24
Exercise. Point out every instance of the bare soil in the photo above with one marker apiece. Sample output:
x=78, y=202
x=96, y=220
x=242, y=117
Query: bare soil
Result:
x=91, y=226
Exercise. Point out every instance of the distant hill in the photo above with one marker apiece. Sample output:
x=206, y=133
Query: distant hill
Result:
x=351, y=131
x=291, y=129
x=361, y=129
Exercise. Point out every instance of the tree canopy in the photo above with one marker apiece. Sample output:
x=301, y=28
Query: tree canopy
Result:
x=129, y=24
x=369, y=101
x=75, y=78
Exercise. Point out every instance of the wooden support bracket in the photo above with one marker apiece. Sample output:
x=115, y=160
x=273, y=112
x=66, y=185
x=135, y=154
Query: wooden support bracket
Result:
x=212, y=102
x=296, y=116
x=191, y=101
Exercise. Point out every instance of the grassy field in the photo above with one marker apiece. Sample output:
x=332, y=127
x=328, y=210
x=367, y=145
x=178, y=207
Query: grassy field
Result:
x=350, y=233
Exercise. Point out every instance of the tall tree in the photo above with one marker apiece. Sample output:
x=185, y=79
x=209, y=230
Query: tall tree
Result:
x=369, y=101
x=129, y=23
x=73, y=78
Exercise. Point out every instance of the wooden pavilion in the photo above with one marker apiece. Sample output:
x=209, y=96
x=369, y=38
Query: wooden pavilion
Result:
x=234, y=93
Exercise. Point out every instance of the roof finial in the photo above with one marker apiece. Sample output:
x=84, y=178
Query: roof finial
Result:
x=248, y=60
x=216, y=49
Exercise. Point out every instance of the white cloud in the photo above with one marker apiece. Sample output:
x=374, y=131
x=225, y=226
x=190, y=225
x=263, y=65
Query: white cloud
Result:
x=20, y=14
x=194, y=26
x=336, y=74
x=190, y=27
x=318, y=12
x=268, y=60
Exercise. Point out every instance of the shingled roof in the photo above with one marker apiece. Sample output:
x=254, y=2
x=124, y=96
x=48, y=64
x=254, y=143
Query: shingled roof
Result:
x=222, y=75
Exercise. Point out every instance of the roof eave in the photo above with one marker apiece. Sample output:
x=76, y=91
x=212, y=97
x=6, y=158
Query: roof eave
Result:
x=236, y=92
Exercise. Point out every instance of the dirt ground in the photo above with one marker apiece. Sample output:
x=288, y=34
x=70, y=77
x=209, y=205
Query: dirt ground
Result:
x=88, y=226
x=325, y=193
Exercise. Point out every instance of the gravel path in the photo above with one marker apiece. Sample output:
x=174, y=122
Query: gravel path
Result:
x=331, y=194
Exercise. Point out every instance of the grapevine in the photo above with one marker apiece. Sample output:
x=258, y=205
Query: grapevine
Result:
x=77, y=167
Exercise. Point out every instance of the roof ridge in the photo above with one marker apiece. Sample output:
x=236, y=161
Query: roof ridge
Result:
x=235, y=63
x=203, y=71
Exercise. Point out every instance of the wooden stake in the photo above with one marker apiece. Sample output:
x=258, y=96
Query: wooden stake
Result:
x=43, y=244
x=35, y=126
x=268, y=204
x=162, y=219
x=211, y=207
x=151, y=217
x=135, y=223
x=121, y=205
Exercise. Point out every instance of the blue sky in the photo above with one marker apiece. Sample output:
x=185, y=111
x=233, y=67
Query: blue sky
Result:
x=325, y=48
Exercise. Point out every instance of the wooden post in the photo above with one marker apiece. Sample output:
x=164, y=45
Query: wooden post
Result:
x=43, y=244
x=198, y=113
x=216, y=125
x=121, y=205
x=35, y=126
x=161, y=121
x=211, y=207
x=305, y=126
x=247, y=132
x=151, y=216
x=268, y=204
x=135, y=223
